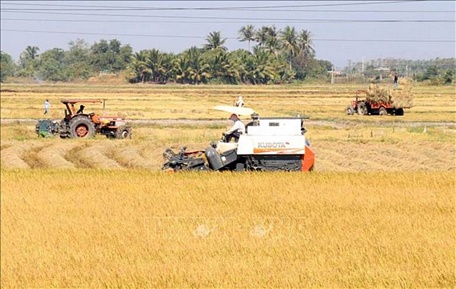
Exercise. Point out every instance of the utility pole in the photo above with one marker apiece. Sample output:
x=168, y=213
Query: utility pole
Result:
x=332, y=75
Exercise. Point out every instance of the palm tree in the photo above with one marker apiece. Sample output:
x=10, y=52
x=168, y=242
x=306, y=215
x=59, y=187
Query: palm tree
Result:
x=181, y=69
x=139, y=65
x=305, y=43
x=214, y=41
x=289, y=42
x=31, y=52
x=189, y=67
x=261, y=35
x=247, y=33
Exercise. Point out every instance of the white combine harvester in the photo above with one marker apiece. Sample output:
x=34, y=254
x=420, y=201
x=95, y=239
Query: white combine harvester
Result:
x=269, y=144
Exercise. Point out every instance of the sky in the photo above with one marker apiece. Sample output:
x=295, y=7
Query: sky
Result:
x=342, y=31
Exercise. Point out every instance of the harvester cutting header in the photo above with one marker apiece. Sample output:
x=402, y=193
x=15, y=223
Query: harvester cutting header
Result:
x=268, y=144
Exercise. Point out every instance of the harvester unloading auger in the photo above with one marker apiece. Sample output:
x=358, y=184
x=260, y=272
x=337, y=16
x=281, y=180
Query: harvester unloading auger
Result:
x=269, y=144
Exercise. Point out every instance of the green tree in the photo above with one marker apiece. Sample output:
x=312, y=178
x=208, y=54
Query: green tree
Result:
x=448, y=77
x=31, y=52
x=305, y=43
x=52, y=65
x=7, y=66
x=273, y=44
x=77, y=60
x=290, y=43
x=431, y=72
x=247, y=33
x=214, y=41
x=109, y=56
x=262, y=35
x=138, y=66
x=306, y=51
x=191, y=67
x=221, y=66
x=28, y=61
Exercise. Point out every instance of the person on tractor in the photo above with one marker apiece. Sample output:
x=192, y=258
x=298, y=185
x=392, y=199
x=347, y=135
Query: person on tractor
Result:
x=81, y=109
x=236, y=130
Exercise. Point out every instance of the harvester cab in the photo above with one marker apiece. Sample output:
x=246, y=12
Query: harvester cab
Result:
x=269, y=144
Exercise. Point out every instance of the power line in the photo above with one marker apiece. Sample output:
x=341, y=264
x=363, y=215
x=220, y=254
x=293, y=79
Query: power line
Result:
x=232, y=38
x=295, y=20
x=256, y=7
x=246, y=10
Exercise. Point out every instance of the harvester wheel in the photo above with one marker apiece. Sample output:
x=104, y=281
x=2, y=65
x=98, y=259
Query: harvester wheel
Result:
x=123, y=132
x=382, y=111
x=81, y=127
x=349, y=110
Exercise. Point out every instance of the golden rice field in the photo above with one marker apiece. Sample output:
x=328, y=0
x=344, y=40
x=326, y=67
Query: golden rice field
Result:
x=319, y=102
x=378, y=211
x=137, y=228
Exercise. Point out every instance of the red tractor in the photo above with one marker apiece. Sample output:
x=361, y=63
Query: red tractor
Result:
x=367, y=107
x=79, y=124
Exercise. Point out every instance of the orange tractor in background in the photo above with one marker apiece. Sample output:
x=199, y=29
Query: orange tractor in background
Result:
x=79, y=124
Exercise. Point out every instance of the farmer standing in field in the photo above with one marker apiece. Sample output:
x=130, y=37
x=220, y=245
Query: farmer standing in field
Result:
x=396, y=79
x=47, y=106
x=240, y=102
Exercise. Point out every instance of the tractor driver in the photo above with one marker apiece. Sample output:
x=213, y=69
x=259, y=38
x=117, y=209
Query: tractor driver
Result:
x=236, y=130
x=81, y=109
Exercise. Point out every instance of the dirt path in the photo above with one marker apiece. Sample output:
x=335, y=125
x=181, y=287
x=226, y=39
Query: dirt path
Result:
x=205, y=122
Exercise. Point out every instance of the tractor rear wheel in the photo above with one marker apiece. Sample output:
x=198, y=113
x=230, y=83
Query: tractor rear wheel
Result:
x=382, y=111
x=123, y=132
x=81, y=127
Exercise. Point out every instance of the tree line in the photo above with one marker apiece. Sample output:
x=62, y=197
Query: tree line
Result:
x=273, y=56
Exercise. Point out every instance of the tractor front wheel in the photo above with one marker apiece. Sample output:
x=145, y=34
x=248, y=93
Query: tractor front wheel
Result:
x=349, y=110
x=123, y=132
x=81, y=127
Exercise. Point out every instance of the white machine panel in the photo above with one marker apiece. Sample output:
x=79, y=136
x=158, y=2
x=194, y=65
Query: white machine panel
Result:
x=267, y=145
x=276, y=126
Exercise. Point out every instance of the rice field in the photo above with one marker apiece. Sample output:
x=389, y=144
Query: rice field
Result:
x=378, y=211
x=137, y=102
x=138, y=228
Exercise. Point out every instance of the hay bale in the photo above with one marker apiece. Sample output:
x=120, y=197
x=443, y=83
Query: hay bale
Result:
x=399, y=98
x=403, y=96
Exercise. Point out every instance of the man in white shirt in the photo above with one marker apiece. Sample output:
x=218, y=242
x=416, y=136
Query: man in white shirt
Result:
x=47, y=106
x=240, y=102
x=236, y=130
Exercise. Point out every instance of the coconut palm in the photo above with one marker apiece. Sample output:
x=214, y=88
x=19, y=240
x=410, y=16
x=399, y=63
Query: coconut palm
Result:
x=31, y=52
x=247, y=33
x=289, y=42
x=214, y=41
x=305, y=43
x=262, y=35
x=139, y=65
x=272, y=43
x=181, y=69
